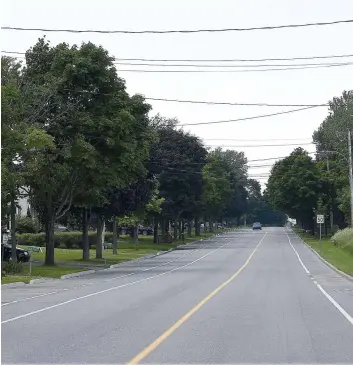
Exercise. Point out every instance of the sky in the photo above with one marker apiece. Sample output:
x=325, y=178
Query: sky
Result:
x=306, y=86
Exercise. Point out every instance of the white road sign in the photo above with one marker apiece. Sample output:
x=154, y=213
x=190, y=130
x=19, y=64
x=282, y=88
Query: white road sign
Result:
x=320, y=219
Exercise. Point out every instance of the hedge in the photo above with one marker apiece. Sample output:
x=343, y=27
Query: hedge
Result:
x=61, y=239
x=344, y=239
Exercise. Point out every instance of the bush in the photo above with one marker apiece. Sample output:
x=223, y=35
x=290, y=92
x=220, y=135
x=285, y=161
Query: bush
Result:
x=61, y=239
x=30, y=239
x=27, y=225
x=344, y=238
x=12, y=267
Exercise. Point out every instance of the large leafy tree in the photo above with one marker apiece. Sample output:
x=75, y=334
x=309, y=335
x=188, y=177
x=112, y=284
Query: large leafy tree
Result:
x=294, y=186
x=22, y=142
x=101, y=134
x=331, y=140
x=177, y=159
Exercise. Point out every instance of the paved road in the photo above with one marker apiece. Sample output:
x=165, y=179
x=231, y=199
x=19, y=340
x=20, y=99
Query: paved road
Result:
x=243, y=297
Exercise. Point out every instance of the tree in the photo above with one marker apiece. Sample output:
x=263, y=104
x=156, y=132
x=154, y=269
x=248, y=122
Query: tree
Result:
x=101, y=134
x=331, y=146
x=176, y=160
x=22, y=142
x=294, y=186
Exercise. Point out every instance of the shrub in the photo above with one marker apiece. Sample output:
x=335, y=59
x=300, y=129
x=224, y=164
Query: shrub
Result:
x=30, y=239
x=344, y=238
x=27, y=225
x=61, y=239
x=11, y=267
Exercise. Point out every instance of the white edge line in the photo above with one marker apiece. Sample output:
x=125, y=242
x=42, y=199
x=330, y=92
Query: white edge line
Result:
x=36, y=296
x=106, y=290
x=106, y=280
x=323, y=291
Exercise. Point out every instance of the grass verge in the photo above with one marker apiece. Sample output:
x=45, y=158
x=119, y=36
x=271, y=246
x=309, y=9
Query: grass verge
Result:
x=38, y=272
x=71, y=257
x=335, y=255
x=126, y=251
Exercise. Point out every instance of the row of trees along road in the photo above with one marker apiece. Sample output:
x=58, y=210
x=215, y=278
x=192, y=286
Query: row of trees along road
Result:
x=303, y=186
x=77, y=144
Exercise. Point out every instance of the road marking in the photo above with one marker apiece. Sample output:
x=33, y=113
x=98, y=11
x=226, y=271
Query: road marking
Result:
x=106, y=280
x=151, y=347
x=36, y=296
x=323, y=291
x=107, y=290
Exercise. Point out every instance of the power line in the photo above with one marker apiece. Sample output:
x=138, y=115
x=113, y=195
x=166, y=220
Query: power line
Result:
x=235, y=71
x=249, y=118
x=275, y=158
x=216, y=60
x=222, y=66
x=228, y=103
x=261, y=145
x=255, y=140
x=185, y=31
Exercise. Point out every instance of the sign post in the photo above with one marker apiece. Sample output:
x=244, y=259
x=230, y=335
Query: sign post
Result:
x=320, y=219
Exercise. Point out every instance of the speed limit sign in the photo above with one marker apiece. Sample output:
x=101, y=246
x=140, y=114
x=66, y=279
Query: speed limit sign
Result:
x=320, y=219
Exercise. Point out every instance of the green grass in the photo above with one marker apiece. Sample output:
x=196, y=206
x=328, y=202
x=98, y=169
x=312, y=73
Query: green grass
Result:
x=39, y=272
x=126, y=251
x=15, y=279
x=335, y=255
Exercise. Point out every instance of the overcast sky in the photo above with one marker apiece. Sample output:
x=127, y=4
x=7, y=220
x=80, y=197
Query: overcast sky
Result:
x=308, y=86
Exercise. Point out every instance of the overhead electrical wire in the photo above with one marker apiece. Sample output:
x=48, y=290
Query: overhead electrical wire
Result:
x=229, y=103
x=222, y=66
x=263, y=145
x=217, y=60
x=185, y=31
x=248, y=118
x=256, y=140
x=329, y=65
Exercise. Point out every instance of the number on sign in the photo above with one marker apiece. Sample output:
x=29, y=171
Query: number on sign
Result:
x=320, y=219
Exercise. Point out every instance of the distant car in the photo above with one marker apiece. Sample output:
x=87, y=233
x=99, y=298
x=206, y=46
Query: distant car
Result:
x=22, y=255
x=256, y=225
x=60, y=228
x=146, y=231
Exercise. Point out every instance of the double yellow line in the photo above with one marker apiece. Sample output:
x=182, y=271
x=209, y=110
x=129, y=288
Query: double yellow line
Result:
x=151, y=347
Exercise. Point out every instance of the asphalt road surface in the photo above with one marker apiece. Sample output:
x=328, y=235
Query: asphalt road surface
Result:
x=241, y=297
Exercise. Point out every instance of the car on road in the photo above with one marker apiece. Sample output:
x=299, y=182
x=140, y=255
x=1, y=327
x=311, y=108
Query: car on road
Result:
x=256, y=225
x=22, y=255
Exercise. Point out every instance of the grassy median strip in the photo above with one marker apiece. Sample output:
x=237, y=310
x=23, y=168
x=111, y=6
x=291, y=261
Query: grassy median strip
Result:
x=38, y=272
x=70, y=260
x=338, y=256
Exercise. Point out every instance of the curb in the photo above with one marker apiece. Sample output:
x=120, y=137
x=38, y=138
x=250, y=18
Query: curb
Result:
x=347, y=276
x=77, y=274
x=87, y=272
x=13, y=285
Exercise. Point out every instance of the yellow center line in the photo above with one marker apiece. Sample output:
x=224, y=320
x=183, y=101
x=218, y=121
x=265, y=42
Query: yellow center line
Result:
x=151, y=347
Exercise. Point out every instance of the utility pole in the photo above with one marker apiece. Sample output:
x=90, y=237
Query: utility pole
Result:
x=331, y=209
x=350, y=172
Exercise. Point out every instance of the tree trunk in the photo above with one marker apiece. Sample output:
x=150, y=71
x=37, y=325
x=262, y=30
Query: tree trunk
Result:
x=136, y=237
x=85, y=241
x=115, y=235
x=49, y=220
x=181, y=228
x=175, y=235
x=163, y=224
x=13, y=229
x=155, y=230
x=197, y=227
x=99, y=241
x=211, y=226
x=189, y=228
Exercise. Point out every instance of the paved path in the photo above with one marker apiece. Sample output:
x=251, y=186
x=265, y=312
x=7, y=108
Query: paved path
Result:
x=242, y=297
